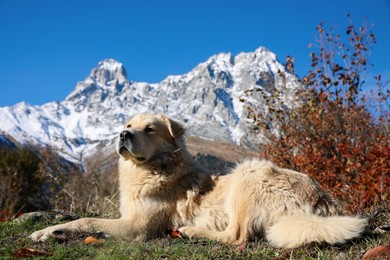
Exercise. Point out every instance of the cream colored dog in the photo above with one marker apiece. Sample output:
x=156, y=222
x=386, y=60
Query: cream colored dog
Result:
x=161, y=186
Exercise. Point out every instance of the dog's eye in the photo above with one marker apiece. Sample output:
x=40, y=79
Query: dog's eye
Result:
x=128, y=126
x=149, y=130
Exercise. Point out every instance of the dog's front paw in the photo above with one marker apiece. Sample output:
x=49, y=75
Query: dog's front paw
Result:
x=41, y=235
x=191, y=232
x=55, y=231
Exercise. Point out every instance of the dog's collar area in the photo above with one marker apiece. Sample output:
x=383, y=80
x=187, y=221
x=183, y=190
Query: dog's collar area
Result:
x=140, y=159
x=162, y=158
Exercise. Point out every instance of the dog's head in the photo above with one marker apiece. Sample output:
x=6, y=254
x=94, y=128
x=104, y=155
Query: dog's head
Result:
x=147, y=136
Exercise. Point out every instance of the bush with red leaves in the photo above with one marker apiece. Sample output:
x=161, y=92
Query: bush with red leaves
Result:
x=335, y=135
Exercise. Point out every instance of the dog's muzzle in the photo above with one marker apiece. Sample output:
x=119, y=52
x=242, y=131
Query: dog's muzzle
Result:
x=123, y=140
x=125, y=146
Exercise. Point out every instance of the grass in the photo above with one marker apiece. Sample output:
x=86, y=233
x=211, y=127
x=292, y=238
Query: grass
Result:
x=14, y=238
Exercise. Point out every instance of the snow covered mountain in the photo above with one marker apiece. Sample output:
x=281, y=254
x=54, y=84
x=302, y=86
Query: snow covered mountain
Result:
x=206, y=99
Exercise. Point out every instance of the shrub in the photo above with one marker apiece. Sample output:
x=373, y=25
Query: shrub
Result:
x=333, y=135
x=39, y=179
x=21, y=182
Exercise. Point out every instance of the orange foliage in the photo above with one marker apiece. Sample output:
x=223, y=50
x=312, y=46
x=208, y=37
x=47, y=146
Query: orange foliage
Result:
x=352, y=159
x=335, y=136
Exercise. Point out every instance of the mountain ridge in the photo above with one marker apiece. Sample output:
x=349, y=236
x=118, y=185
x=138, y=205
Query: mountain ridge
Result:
x=205, y=99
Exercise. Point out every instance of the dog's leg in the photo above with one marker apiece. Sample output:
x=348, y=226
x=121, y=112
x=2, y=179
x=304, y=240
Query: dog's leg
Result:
x=233, y=234
x=197, y=232
x=118, y=228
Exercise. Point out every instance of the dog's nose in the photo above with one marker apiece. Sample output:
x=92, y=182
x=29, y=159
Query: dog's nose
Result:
x=125, y=135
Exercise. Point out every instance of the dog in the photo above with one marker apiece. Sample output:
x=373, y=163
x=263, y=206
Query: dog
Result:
x=161, y=186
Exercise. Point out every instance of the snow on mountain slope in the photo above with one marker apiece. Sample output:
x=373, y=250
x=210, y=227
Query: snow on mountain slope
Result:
x=206, y=99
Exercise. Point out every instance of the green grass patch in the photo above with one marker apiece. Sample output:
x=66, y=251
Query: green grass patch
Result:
x=14, y=237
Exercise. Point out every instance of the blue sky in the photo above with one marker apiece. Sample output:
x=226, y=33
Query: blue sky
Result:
x=47, y=46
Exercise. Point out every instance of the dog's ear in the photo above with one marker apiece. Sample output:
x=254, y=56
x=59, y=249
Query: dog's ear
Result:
x=175, y=128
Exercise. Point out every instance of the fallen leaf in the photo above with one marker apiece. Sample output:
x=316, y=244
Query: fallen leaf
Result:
x=172, y=233
x=378, y=252
x=92, y=240
x=25, y=252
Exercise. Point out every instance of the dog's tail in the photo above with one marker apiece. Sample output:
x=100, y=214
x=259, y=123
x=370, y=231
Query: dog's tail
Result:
x=293, y=231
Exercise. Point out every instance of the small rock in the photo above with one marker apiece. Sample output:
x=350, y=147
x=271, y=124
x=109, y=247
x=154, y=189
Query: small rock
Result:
x=38, y=216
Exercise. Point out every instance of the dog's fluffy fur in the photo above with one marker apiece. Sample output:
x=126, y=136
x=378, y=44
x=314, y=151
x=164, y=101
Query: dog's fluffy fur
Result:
x=161, y=186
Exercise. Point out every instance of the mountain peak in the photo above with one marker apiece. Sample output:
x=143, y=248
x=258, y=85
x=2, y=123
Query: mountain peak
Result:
x=108, y=70
x=109, y=64
x=262, y=49
x=108, y=75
